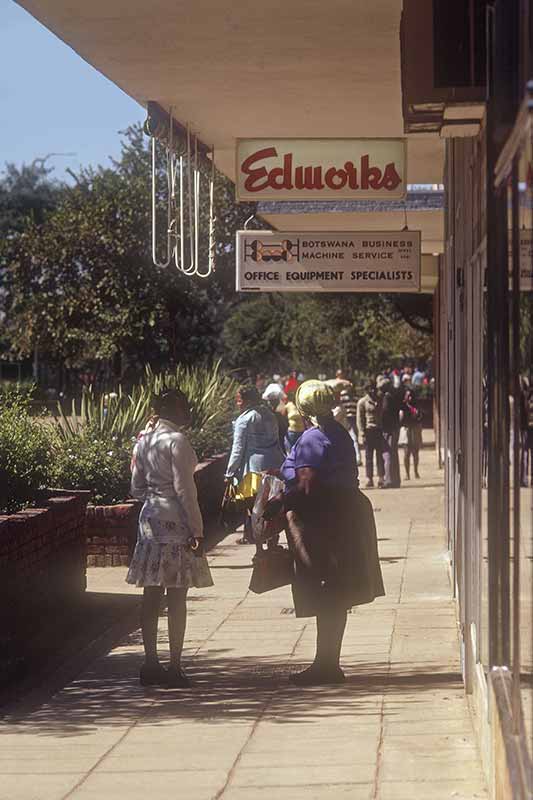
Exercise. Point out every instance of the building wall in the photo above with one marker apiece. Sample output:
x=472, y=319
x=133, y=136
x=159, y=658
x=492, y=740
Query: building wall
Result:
x=486, y=355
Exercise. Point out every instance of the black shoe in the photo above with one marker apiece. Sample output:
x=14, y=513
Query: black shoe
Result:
x=176, y=679
x=152, y=675
x=244, y=540
x=318, y=676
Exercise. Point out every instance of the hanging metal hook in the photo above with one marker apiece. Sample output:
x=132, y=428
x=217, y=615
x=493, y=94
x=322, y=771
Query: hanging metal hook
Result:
x=188, y=183
x=211, y=245
x=191, y=185
x=166, y=260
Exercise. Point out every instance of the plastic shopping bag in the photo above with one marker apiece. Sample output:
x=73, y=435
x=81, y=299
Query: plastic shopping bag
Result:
x=263, y=529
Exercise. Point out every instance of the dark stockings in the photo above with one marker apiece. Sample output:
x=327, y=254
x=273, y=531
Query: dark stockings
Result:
x=330, y=626
x=177, y=620
x=152, y=597
x=407, y=461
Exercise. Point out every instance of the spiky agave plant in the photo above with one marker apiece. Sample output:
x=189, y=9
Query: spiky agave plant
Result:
x=208, y=390
x=123, y=415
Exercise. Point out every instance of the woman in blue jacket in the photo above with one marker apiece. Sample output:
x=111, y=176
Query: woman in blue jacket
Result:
x=255, y=448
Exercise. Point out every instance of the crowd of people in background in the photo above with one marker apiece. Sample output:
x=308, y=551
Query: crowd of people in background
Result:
x=382, y=418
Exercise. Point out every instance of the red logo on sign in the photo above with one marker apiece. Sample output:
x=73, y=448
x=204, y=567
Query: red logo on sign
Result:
x=364, y=177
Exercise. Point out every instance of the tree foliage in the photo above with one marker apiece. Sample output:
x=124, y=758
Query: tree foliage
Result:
x=79, y=285
x=26, y=194
x=317, y=333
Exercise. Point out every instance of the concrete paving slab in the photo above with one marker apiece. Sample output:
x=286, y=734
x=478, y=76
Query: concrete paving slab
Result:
x=431, y=790
x=338, y=791
x=243, y=731
x=321, y=774
x=37, y=786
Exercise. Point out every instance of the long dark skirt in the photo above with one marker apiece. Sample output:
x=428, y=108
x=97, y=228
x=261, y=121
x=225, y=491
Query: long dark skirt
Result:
x=334, y=541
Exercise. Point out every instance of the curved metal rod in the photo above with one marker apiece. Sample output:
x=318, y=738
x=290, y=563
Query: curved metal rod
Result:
x=191, y=186
x=176, y=225
x=196, y=206
x=211, y=236
x=166, y=261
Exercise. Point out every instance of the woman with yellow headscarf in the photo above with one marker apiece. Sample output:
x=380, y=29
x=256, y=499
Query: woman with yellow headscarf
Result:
x=330, y=529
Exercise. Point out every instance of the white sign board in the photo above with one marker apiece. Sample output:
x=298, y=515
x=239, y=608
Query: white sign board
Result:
x=526, y=260
x=270, y=261
x=321, y=169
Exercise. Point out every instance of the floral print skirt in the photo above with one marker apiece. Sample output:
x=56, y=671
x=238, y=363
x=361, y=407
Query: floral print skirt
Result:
x=169, y=564
x=162, y=556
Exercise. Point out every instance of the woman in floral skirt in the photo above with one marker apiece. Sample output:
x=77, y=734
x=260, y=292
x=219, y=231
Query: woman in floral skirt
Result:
x=169, y=551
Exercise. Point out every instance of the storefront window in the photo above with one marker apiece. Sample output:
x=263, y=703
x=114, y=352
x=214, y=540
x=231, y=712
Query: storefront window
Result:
x=520, y=194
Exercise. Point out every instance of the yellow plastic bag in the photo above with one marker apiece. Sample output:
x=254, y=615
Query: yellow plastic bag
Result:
x=248, y=486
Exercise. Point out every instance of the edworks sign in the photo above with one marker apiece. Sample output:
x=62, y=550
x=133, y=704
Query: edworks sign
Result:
x=270, y=261
x=320, y=169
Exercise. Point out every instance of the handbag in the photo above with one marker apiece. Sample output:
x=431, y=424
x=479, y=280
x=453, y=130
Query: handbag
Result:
x=232, y=510
x=273, y=568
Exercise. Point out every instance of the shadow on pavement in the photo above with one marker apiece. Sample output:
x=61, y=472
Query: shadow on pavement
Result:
x=226, y=688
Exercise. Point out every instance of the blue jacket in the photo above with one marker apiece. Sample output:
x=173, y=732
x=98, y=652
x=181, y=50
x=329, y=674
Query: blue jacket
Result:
x=255, y=445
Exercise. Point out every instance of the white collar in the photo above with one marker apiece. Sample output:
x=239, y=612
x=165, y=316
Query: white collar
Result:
x=166, y=423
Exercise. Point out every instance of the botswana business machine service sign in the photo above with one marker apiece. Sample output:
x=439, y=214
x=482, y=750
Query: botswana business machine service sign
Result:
x=273, y=261
x=320, y=169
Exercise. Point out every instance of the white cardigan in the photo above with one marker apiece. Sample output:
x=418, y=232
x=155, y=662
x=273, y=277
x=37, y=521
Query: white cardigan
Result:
x=163, y=476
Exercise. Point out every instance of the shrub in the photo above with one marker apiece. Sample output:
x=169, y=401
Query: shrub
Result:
x=94, y=461
x=211, y=440
x=15, y=393
x=25, y=454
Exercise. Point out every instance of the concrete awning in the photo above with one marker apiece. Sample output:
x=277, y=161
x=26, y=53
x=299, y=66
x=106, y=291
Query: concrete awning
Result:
x=297, y=68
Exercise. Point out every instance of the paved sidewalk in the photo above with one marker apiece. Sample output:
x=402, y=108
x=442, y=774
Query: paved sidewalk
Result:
x=399, y=729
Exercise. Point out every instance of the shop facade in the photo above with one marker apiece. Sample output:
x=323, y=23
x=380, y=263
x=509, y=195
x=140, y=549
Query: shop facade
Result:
x=484, y=306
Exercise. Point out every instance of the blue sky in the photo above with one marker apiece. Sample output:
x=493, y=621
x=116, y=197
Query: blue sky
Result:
x=54, y=102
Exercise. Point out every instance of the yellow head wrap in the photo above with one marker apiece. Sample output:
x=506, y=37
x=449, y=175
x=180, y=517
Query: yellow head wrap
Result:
x=315, y=399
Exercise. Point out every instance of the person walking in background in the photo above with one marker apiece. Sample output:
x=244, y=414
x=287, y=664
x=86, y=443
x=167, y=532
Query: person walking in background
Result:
x=369, y=425
x=255, y=449
x=260, y=382
x=349, y=404
x=274, y=387
x=396, y=378
x=274, y=396
x=391, y=404
x=526, y=432
x=330, y=530
x=169, y=551
x=418, y=376
x=292, y=383
x=295, y=423
x=411, y=433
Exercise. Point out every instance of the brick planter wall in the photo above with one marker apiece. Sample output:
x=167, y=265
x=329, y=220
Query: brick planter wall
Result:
x=112, y=530
x=42, y=572
x=111, y=534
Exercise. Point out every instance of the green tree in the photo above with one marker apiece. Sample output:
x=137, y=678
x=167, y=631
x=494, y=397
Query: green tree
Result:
x=80, y=284
x=253, y=334
x=319, y=332
x=26, y=193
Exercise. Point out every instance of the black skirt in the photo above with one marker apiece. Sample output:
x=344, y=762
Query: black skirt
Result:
x=332, y=535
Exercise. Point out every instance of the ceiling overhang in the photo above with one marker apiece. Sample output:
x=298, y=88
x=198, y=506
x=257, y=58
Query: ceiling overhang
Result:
x=241, y=69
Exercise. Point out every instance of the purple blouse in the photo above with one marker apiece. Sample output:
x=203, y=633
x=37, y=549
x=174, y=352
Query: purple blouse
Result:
x=329, y=450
